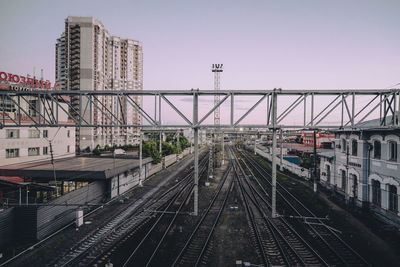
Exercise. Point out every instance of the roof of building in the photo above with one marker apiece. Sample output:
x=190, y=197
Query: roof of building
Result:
x=327, y=154
x=17, y=182
x=75, y=168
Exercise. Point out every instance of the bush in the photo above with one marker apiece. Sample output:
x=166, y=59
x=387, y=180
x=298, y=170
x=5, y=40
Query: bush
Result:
x=96, y=150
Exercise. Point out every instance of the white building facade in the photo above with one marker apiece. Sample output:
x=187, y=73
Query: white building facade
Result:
x=27, y=144
x=365, y=167
x=23, y=144
x=95, y=60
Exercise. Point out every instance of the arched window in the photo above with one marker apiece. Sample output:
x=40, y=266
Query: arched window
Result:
x=344, y=180
x=376, y=193
x=344, y=145
x=393, y=198
x=328, y=174
x=353, y=177
x=392, y=151
x=354, y=146
x=377, y=149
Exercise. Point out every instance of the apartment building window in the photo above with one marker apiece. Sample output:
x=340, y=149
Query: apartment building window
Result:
x=393, y=198
x=377, y=150
x=12, y=153
x=376, y=193
x=45, y=133
x=354, y=145
x=14, y=133
x=392, y=151
x=67, y=149
x=68, y=133
x=33, y=151
x=33, y=106
x=34, y=133
x=45, y=150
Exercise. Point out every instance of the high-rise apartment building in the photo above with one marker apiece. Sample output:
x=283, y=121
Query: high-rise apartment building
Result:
x=89, y=58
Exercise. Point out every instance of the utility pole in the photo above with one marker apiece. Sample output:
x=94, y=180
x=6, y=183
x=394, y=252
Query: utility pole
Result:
x=315, y=162
x=281, y=154
x=196, y=155
x=54, y=169
x=255, y=145
x=273, y=195
x=177, y=146
x=140, y=158
x=223, y=149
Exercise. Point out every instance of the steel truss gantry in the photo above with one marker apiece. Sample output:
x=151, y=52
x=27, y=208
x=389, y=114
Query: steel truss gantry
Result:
x=310, y=108
x=285, y=109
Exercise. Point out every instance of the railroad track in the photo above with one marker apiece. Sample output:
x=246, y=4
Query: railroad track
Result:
x=279, y=244
x=332, y=248
x=192, y=253
x=135, y=216
x=142, y=255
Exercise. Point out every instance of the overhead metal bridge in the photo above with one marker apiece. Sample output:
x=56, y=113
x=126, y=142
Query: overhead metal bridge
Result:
x=284, y=109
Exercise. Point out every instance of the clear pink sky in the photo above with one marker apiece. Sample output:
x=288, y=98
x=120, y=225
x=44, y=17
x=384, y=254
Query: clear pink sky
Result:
x=262, y=44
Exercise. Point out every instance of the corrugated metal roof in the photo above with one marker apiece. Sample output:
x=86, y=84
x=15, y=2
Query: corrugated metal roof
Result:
x=75, y=168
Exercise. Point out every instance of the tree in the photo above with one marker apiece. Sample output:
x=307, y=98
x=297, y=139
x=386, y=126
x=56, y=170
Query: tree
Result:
x=149, y=149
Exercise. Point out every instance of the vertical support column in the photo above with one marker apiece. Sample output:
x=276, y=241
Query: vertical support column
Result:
x=305, y=110
x=232, y=108
x=281, y=152
x=255, y=146
x=27, y=195
x=341, y=119
x=267, y=109
x=159, y=110
x=190, y=141
x=90, y=109
x=380, y=108
x=177, y=147
x=312, y=110
x=155, y=108
x=196, y=155
x=39, y=109
x=353, y=109
x=140, y=158
x=315, y=162
x=398, y=119
x=394, y=117
x=160, y=145
x=273, y=203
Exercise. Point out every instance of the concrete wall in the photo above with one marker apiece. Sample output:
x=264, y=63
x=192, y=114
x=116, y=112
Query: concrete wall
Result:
x=125, y=181
x=293, y=168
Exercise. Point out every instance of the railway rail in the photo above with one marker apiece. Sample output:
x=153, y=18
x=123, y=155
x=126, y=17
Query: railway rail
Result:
x=330, y=246
x=279, y=244
x=158, y=231
x=192, y=252
x=131, y=219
